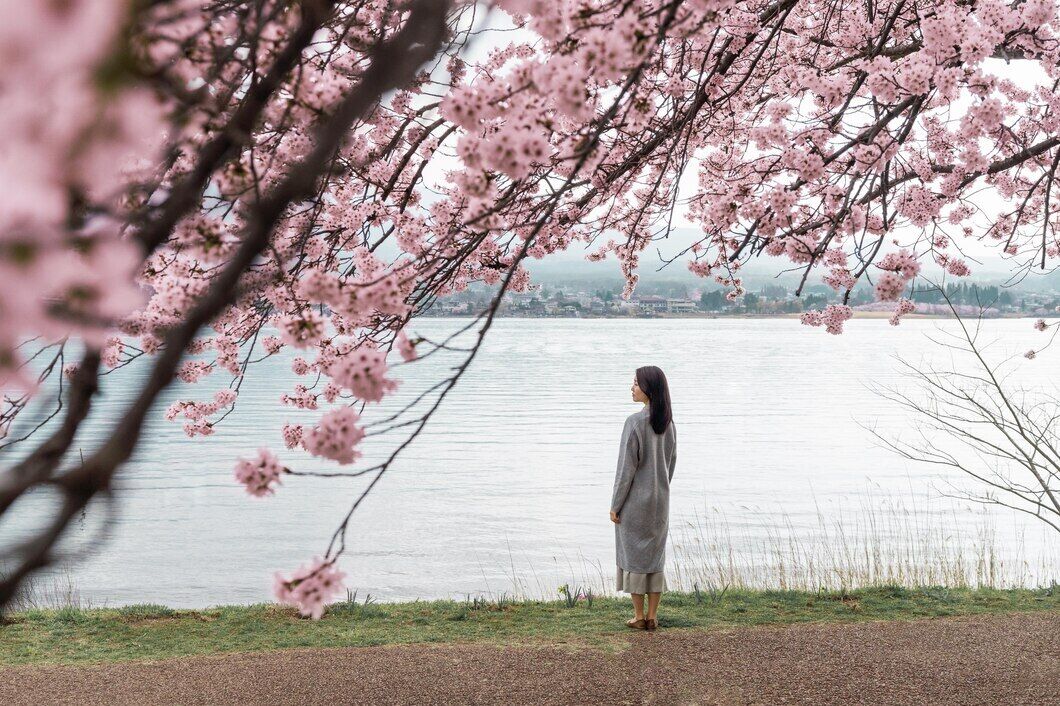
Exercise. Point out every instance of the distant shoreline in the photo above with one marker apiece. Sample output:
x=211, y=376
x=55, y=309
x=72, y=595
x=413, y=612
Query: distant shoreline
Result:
x=711, y=315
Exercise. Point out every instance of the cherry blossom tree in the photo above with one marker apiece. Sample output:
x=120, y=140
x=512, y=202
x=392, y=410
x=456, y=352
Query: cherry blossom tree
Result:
x=192, y=177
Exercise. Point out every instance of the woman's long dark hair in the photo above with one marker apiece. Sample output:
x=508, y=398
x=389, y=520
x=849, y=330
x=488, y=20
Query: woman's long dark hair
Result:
x=652, y=382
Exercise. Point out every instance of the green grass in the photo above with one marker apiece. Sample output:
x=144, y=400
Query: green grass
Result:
x=150, y=632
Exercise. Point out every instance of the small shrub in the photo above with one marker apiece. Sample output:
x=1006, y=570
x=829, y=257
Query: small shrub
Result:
x=894, y=591
x=783, y=596
x=368, y=608
x=70, y=615
x=941, y=594
x=571, y=598
x=145, y=611
x=460, y=614
x=841, y=595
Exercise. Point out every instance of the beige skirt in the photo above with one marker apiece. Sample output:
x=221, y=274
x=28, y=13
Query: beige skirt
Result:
x=631, y=582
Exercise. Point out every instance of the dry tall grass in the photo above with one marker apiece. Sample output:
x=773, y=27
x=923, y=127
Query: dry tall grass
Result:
x=52, y=592
x=868, y=539
x=888, y=540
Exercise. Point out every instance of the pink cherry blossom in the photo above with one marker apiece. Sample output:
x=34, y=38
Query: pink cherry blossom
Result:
x=406, y=348
x=292, y=435
x=363, y=372
x=811, y=318
x=904, y=307
x=111, y=353
x=301, y=330
x=336, y=436
x=958, y=267
x=272, y=344
x=310, y=587
x=889, y=286
x=261, y=474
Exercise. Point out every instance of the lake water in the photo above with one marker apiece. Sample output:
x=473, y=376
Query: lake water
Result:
x=508, y=487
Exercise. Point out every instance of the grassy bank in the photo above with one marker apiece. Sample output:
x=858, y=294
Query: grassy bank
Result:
x=155, y=632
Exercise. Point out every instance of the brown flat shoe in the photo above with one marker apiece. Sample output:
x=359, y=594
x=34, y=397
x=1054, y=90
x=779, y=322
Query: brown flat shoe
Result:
x=651, y=623
x=637, y=624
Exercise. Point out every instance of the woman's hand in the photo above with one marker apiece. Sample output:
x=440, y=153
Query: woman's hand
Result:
x=614, y=517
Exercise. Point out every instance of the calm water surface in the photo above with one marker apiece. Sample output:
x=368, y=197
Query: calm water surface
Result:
x=507, y=489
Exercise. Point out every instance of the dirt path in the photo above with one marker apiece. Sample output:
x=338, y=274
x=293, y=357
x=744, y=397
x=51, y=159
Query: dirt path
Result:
x=996, y=659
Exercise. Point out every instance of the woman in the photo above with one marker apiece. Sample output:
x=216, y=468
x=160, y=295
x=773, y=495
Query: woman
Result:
x=640, y=505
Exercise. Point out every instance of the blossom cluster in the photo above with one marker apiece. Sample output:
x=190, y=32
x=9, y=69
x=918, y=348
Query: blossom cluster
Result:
x=905, y=306
x=898, y=269
x=310, y=587
x=336, y=436
x=198, y=413
x=68, y=151
x=259, y=475
x=363, y=372
x=832, y=317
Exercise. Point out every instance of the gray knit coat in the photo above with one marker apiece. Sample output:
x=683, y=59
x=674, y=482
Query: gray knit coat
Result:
x=641, y=496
